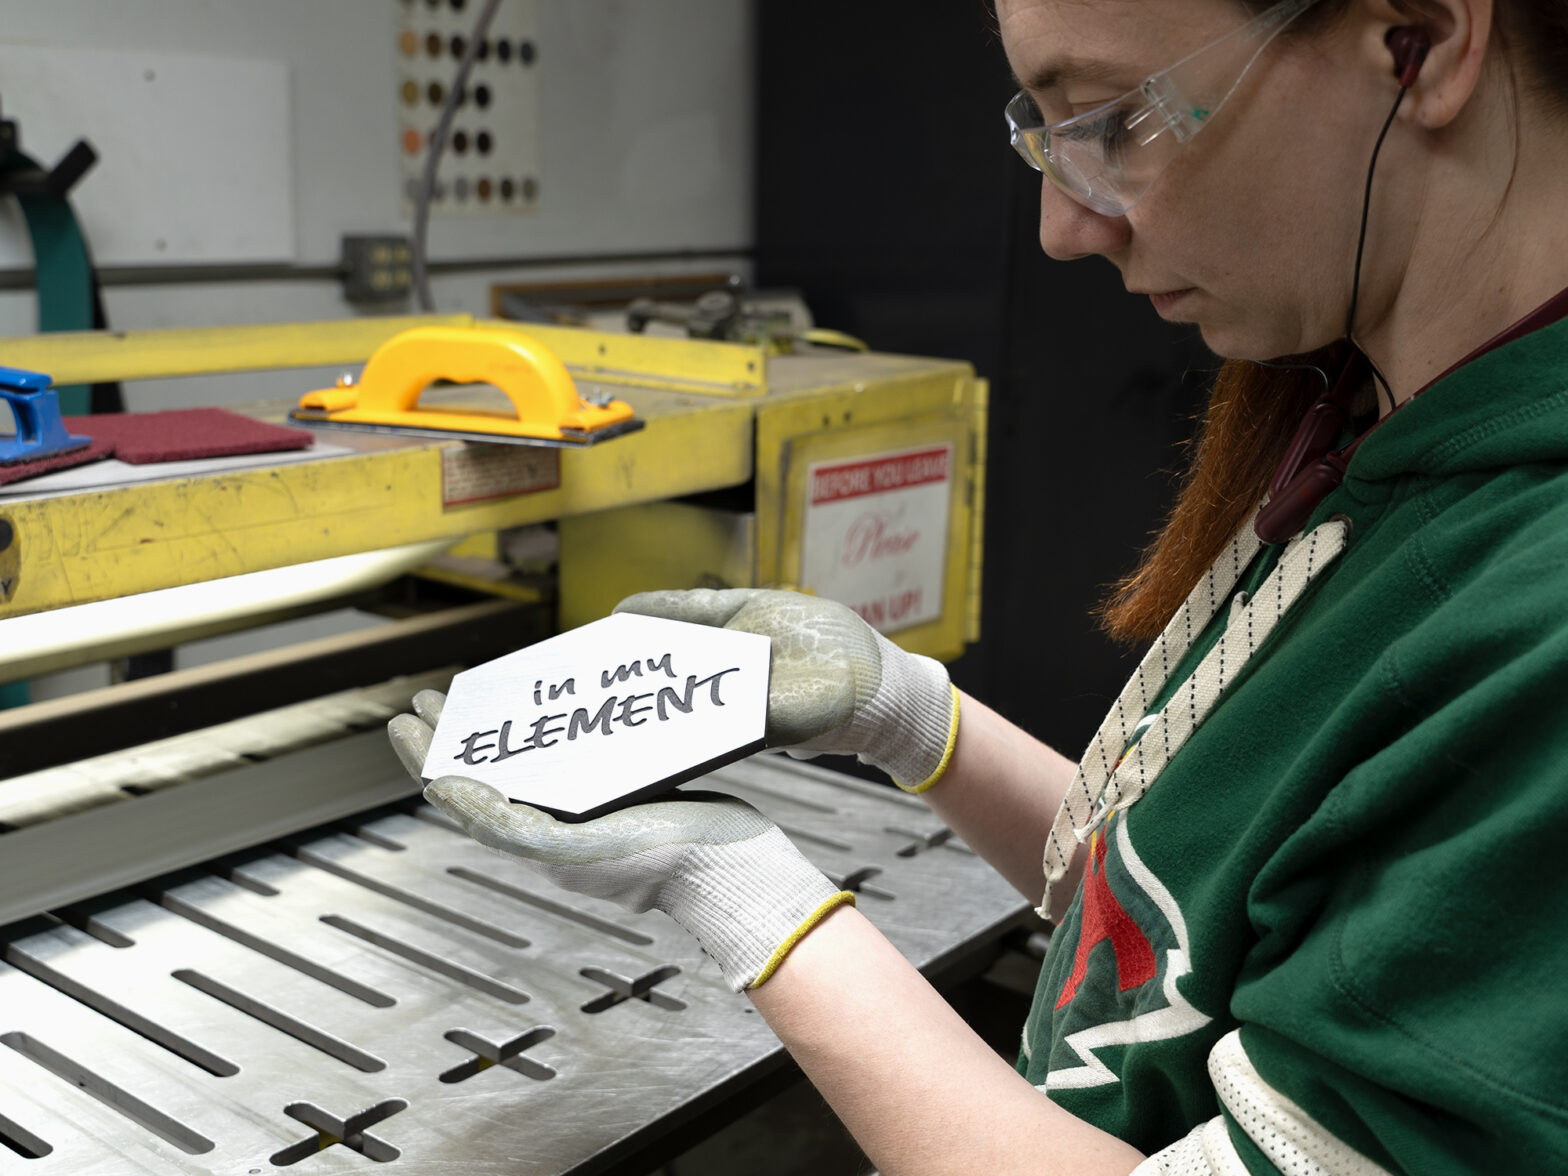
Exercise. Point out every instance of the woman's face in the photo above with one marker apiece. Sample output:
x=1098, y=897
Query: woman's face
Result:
x=1251, y=231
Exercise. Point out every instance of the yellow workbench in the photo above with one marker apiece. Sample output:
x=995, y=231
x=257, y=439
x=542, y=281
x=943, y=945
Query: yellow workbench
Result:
x=718, y=415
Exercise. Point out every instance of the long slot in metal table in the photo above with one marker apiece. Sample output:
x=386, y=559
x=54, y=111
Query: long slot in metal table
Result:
x=383, y=990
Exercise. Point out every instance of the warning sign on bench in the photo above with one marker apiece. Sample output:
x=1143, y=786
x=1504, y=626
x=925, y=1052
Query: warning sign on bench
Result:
x=875, y=534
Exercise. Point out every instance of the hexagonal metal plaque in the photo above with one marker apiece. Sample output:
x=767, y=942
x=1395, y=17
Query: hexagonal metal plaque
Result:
x=609, y=713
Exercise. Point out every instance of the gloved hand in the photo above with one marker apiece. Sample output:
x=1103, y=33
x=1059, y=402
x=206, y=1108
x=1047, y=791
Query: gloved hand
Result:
x=712, y=863
x=837, y=684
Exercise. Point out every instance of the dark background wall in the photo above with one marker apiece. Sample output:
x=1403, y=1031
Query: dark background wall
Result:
x=887, y=194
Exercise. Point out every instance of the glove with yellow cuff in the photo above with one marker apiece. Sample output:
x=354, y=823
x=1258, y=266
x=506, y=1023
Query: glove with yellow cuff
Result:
x=713, y=863
x=838, y=686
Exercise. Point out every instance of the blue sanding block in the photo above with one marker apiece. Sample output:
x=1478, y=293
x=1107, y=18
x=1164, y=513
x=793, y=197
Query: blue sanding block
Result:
x=35, y=406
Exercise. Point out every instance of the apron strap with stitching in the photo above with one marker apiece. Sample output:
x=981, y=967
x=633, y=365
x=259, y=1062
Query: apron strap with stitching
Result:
x=1109, y=776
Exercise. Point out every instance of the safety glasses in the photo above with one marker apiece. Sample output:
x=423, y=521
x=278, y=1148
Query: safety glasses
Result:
x=1107, y=158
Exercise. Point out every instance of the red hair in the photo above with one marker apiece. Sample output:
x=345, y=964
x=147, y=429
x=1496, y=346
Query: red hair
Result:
x=1252, y=415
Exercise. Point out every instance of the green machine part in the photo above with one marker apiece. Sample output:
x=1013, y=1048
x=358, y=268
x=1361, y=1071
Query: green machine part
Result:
x=64, y=271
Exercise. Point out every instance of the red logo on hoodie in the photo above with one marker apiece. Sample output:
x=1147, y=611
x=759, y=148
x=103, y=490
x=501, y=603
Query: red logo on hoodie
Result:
x=1104, y=918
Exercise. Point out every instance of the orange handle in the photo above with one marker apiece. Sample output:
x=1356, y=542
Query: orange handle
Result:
x=530, y=375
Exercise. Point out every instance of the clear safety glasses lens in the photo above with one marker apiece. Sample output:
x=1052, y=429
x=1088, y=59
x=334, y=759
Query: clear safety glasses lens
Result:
x=1109, y=157
x=1088, y=157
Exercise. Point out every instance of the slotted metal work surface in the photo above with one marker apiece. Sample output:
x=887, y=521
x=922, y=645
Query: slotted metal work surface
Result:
x=385, y=991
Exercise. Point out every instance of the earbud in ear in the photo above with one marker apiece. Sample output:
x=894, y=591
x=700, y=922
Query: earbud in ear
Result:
x=1409, y=44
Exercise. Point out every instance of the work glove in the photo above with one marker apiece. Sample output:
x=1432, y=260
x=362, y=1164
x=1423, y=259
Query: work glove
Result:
x=837, y=686
x=712, y=863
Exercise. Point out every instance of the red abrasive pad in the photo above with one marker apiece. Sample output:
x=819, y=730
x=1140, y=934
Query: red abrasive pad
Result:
x=185, y=434
x=97, y=451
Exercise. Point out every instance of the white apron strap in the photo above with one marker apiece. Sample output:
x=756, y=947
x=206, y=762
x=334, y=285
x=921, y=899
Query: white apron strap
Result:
x=1104, y=779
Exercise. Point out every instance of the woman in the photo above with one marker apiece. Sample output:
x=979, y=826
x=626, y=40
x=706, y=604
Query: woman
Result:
x=1307, y=873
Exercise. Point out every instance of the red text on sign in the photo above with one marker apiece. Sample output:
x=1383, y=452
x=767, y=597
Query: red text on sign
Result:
x=852, y=479
x=889, y=610
x=871, y=538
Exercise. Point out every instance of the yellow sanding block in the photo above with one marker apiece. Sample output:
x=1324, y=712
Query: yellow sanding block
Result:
x=385, y=398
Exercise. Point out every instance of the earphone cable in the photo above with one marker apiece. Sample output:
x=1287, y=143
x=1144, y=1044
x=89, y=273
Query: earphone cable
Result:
x=427, y=180
x=1296, y=367
x=1361, y=240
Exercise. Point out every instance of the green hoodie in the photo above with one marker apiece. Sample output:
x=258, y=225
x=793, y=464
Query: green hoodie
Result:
x=1330, y=937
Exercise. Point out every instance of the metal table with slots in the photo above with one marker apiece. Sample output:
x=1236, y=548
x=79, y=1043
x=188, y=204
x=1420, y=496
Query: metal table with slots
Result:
x=248, y=948
x=382, y=990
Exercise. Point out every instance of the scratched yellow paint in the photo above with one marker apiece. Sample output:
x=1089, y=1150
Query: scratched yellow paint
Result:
x=85, y=357
x=134, y=538
x=656, y=361
x=815, y=407
x=608, y=555
x=878, y=397
x=709, y=407
x=89, y=357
